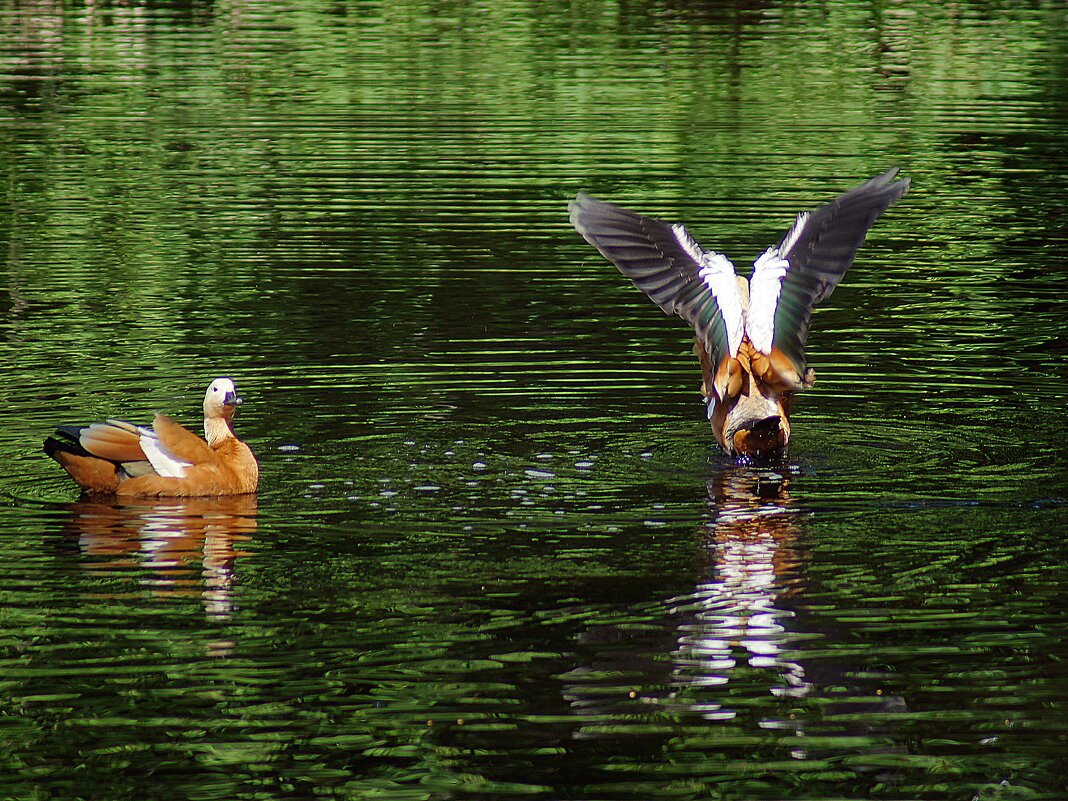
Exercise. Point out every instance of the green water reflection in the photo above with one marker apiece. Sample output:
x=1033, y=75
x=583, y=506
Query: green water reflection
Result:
x=495, y=552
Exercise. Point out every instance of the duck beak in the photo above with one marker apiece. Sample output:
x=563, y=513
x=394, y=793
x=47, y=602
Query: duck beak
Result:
x=232, y=399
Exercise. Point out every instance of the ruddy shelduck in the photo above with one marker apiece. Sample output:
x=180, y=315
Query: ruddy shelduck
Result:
x=166, y=460
x=750, y=334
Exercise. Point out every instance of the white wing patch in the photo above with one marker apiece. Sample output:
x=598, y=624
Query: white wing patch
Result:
x=693, y=250
x=794, y=233
x=764, y=286
x=718, y=274
x=163, y=462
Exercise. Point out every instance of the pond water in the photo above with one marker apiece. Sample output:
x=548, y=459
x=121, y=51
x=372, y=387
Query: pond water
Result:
x=496, y=553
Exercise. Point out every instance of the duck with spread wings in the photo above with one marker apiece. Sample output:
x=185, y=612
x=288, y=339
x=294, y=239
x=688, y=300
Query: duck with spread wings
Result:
x=750, y=334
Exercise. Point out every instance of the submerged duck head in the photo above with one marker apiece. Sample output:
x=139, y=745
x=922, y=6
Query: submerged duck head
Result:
x=754, y=426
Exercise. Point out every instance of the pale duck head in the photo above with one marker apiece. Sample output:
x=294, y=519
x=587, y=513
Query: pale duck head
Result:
x=221, y=399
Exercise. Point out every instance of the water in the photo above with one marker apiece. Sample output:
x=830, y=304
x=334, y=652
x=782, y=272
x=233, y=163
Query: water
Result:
x=495, y=552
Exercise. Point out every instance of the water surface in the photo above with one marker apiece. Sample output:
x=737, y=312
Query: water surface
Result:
x=495, y=552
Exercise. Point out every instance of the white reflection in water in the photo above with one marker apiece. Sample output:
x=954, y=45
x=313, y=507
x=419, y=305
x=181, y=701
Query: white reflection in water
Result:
x=733, y=622
x=180, y=548
x=726, y=647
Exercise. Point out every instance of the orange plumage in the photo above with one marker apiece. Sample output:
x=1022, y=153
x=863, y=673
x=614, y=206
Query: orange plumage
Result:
x=166, y=460
x=753, y=387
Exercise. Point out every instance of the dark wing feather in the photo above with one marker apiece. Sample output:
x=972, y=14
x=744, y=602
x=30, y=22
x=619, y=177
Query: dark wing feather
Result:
x=821, y=252
x=651, y=254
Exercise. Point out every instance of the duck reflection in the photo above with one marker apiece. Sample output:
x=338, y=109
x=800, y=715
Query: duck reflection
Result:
x=729, y=637
x=736, y=622
x=184, y=547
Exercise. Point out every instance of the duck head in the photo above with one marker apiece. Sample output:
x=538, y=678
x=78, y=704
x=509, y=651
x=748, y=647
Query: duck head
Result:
x=754, y=427
x=221, y=399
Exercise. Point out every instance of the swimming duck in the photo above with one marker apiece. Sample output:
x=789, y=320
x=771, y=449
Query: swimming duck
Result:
x=166, y=460
x=750, y=334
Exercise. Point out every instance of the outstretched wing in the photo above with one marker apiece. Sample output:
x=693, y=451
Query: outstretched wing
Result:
x=666, y=264
x=791, y=278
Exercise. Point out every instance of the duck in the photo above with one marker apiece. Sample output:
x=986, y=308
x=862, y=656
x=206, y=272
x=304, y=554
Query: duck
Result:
x=749, y=333
x=165, y=460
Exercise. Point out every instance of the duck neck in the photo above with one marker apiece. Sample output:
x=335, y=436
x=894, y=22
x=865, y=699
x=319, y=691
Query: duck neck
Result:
x=217, y=429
